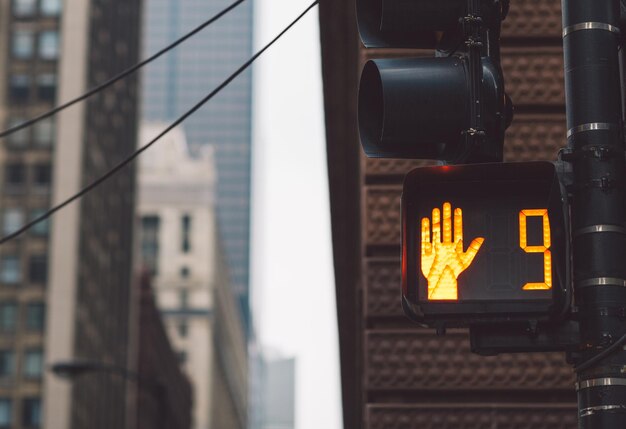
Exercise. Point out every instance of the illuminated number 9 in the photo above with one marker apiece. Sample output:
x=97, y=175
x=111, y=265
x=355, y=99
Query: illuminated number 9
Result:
x=547, y=256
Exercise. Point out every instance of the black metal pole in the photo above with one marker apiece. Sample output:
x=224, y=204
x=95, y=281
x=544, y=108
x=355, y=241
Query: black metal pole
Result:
x=596, y=147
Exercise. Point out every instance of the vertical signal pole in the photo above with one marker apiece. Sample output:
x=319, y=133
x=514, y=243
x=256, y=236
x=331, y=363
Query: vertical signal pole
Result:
x=591, y=39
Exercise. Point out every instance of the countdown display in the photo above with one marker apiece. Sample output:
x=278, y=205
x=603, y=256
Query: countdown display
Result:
x=483, y=243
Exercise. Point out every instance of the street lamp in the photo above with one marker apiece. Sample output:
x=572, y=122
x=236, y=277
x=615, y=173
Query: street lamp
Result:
x=71, y=370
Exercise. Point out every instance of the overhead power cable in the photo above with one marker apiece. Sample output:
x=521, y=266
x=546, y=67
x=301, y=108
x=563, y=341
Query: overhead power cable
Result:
x=174, y=124
x=120, y=76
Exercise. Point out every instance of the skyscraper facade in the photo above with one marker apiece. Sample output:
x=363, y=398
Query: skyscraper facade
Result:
x=91, y=242
x=65, y=285
x=178, y=80
x=29, y=62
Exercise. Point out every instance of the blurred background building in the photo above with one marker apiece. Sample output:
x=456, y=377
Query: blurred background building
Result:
x=172, y=85
x=29, y=71
x=180, y=249
x=279, y=392
x=40, y=272
x=66, y=288
x=177, y=81
x=89, y=286
x=161, y=394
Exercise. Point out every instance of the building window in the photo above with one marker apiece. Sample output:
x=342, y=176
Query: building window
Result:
x=182, y=357
x=44, y=132
x=15, y=178
x=12, y=221
x=33, y=364
x=40, y=228
x=19, y=89
x=8, y=316
x=7, y=363
x=183, y=298
x=22, y=44
x=38, y=269
x=24, y=8
x=49, y=45
x=184, y=272
x=150, y=242
x=186, y=233
x=18, y=138
x=183, y=329
x=35, y=316
x=51, y=7
x=46, y=87
x=43, y=173
x=5, y=413
x=31, y=410
x=10, y=270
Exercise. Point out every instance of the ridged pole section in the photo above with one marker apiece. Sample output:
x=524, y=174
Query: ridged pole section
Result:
x=591, y=43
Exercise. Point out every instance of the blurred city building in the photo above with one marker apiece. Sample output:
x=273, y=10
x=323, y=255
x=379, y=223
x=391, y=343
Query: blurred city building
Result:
x=180, y=248
x=279, y=392
x=162, y=391
x=395, y=374
x=177, y=81
x=65, y=285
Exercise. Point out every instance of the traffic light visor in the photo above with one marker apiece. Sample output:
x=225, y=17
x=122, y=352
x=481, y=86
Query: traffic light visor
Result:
x=413, y=108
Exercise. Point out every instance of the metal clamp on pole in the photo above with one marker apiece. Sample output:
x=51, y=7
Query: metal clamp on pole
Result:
x=599, y=229
x=592, y=126
x=600, y=382
x=602, y=281
x=590, y=26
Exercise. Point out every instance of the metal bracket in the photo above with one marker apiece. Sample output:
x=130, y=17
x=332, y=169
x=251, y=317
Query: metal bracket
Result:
x=472, y=42
x=602, y=153
x=604, y=183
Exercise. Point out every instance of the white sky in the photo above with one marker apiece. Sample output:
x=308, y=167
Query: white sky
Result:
x=292, y=275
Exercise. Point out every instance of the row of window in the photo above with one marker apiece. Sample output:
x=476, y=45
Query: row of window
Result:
x=31, y=413
x=30, y=8
x=34, y=319
x=27, y=45
x=41, y=133
x=15, y=178
x=25, y=88
x=14, y=218
x=150, y=241
x=32, y=364
x=11, y=270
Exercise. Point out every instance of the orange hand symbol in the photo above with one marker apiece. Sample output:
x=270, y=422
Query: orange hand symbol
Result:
x=443, y=261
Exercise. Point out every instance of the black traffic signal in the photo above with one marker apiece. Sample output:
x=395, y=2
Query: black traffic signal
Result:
x=451, y=108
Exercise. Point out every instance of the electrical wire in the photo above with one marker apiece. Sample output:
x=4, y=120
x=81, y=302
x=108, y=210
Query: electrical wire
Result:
x=604, y=353
x=120, y=76
x=174, y=124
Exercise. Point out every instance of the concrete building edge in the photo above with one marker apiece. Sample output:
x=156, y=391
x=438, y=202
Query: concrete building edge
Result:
x=64, y=236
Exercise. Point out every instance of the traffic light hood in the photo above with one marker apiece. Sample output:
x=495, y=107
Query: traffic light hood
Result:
x=417, y=23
